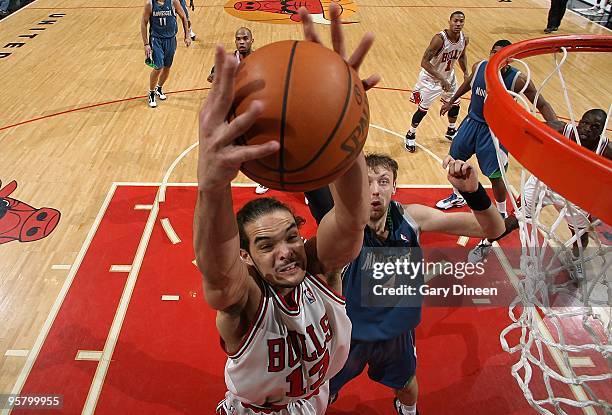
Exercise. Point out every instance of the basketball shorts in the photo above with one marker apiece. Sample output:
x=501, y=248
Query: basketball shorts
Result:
x=428, y=89
x=315, y=405
x=163, y=51
x=531, y=193
x=474, y=137
x=390, y=362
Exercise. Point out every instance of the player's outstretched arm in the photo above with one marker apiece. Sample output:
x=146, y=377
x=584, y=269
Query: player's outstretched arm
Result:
x=461, y=91
x=483, y=222
x=179, y=9
x=340, y=233
x=215, y=231
x=542, y=105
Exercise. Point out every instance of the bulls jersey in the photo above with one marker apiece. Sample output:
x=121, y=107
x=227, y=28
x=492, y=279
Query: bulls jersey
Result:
x=293, y=348
x=479, y=89
x=445, y=59
x=163, y=20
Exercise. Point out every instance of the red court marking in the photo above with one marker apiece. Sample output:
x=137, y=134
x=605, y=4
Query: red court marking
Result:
x=168, y=359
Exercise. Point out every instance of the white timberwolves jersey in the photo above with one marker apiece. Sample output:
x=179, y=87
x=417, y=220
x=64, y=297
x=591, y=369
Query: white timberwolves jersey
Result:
x=445, y=59
x=289, y=354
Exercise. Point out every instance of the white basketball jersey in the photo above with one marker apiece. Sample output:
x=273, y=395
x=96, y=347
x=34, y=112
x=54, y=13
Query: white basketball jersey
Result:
x=445, y=59
x=293, y=348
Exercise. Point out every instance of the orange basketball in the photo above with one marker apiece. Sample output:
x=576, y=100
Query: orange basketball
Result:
x=314, y=105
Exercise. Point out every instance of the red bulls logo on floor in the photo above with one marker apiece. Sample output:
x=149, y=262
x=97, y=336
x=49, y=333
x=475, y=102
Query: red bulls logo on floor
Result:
x=286, y=11
x=22, y=222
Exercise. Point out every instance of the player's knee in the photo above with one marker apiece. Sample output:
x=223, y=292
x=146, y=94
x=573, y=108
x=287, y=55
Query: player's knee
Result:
x=453, y=112
x=418, y=116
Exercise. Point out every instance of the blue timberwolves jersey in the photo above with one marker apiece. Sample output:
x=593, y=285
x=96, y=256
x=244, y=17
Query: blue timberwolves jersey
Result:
x=163, y=20
x=479, y=89
x=373, y=323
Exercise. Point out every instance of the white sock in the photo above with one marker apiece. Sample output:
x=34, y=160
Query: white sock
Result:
x=451, y=125
x=406, y=409
x=411, y=142
x=412, y=129
x=457, y=193
x=501, y=207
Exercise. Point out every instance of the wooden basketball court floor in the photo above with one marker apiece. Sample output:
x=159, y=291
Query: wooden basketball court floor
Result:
x=74, y=123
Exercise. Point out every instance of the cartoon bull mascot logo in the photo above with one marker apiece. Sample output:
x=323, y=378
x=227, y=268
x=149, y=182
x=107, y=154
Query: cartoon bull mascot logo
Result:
x=286, y=11
x=22, y=222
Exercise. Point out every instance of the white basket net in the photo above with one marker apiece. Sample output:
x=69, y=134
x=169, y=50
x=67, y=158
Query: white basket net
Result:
x=549, y=336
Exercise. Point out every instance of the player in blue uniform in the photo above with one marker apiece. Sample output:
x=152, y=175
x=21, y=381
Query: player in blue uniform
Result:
x=160, y=41
x=184, y=5
x=474, y=136
x=383, y=337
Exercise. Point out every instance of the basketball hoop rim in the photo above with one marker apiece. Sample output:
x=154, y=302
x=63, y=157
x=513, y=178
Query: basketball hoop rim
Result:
x=566, y=167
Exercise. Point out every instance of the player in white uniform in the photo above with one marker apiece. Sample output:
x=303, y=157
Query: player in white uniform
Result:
x=437, y=76
x=285, y=330
x=590, y=129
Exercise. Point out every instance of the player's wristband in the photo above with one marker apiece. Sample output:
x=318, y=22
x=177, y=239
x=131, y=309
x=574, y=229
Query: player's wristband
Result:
x=478, y=200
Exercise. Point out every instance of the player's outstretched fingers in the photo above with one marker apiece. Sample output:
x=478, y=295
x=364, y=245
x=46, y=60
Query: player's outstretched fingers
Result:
x=370, y=82
x=308, y=26
x=362, y=50
x=337, y=36
x=242, y=154
x=446, y=161
x=241, y=124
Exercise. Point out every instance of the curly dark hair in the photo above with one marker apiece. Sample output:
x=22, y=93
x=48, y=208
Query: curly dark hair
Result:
x=257, y=208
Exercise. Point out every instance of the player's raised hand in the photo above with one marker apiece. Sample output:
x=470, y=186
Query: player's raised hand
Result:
x=219, y=157
x=337, y=36
x=461, y=174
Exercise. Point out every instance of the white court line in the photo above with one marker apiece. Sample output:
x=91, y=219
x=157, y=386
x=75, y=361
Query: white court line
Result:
x=143, y=207
x=60, y=266
x=581, y=361
x=16, y=353
x=170, y=232
x=44, y=331
x=425, y=149
x=91, y=355
x=170, y=297
x=577, y=390
x=120, y=268
x=113, y=335
x=463, y=240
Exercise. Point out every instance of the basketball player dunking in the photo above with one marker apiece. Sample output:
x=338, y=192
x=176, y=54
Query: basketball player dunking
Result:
x=279, y=316
x=437, y=76
x=589, y=129
x=474, y=136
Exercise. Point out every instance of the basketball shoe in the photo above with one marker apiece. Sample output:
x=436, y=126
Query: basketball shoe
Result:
x=410, y=142
x=450, y=133
x=452, y=201
x=160, y=93
x=261, y=189
x=152, y=102
x=398, y=407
